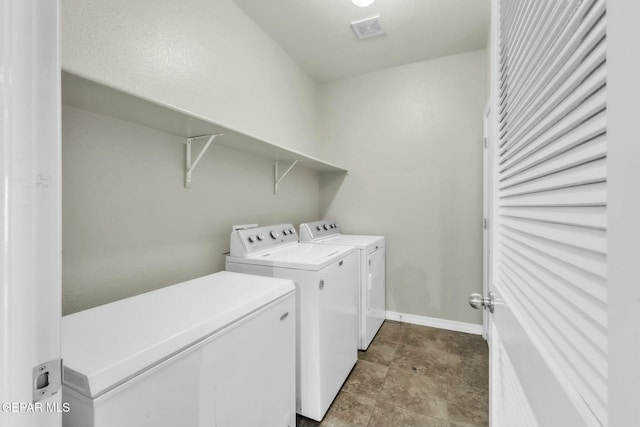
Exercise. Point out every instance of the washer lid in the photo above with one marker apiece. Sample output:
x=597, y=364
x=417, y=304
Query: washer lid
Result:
x=358, y=241
x=107, y=345
x=302, y=256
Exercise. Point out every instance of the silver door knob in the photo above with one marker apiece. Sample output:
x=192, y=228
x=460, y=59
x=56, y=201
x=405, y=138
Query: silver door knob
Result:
x=477, y=301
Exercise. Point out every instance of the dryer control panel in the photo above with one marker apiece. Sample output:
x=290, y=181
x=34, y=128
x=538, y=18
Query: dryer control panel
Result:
x=318, y=229
x=251, y=240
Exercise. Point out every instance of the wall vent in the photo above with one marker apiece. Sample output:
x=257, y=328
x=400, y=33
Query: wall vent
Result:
x=368, y=27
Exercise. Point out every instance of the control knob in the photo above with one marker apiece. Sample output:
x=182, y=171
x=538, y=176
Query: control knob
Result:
x=326, y=227
x=292, y=231
x=251, y=239
x=318, y=228
x=274, y=234
x=260, y=236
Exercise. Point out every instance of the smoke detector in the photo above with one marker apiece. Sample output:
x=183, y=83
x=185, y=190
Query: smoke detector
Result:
x=368, y=27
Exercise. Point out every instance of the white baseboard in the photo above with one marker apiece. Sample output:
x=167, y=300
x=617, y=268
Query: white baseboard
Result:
x=434, y=322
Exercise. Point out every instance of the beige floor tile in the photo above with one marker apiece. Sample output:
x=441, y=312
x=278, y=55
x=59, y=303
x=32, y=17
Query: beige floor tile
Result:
x=471, y=358
x=385, y=415
x=417, y=393
x=379, y=352
x=366, y=379
x=350, y=410
x=468, y=406
x=467, y=344
x=421, y=361
x=425, y=337
x=469, y=375
x=390, y=332
x=467, y=424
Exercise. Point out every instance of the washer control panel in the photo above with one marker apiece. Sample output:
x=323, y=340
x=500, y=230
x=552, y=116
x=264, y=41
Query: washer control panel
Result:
x=251, y=240
x=318, y=229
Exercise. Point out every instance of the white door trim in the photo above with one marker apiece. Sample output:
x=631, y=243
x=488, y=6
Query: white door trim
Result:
x=623, y=242
x=487, y=209
x=30, y=284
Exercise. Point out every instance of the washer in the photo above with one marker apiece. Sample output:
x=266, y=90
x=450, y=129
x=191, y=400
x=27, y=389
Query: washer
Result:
x=371, y=259
x=326, y=279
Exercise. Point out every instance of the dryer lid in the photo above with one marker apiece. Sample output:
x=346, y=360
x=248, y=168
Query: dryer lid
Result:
x=106, y=346
x=301, y=256
x=360, y=242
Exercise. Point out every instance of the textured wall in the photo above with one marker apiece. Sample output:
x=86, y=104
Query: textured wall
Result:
x=130, y=226
x=411, y=137
x=200, y=55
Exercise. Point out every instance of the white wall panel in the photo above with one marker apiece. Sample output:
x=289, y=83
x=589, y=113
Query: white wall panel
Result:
x=411, y=137
x=130, y=226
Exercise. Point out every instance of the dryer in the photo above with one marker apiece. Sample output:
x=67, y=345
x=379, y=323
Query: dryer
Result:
x=371, y=261
x=326, y=278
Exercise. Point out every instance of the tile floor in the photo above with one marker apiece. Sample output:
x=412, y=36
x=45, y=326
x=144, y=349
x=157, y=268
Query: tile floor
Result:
x=414, y=376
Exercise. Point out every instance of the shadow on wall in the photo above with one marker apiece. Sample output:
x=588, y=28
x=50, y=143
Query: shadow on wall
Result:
x=330, y=183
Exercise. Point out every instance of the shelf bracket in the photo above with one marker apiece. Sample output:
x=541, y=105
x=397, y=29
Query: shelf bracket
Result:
x=277, y=180
x=190, y=167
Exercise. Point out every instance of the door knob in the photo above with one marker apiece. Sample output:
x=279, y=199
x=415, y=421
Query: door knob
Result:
x=476, y=301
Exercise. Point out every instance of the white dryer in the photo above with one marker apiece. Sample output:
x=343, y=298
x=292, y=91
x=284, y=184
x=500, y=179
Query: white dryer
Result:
x=371, y=259
x=327, y=305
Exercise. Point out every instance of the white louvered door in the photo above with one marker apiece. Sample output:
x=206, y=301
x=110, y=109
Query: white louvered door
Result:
x=548, y=335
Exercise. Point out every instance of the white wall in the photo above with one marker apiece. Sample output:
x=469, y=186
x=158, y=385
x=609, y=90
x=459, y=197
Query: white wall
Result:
x=200, y=55
x=130, y=226
x=128, y=223
x=411, y=137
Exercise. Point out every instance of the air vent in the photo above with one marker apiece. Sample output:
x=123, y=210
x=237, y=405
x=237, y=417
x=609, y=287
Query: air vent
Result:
x=366, y=28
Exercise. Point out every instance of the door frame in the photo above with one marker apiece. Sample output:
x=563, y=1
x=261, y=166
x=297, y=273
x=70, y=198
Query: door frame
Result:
x=30, y=254
x=487, y=209
x=623, y=204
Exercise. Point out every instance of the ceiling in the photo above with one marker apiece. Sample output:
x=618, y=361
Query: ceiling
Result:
x=318, y=34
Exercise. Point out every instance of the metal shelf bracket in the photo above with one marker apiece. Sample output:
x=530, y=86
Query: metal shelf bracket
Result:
x=190, y=167
x=277, y=180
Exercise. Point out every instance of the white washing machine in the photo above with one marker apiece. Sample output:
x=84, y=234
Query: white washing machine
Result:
x=327, y=305
x=371, y=259
x=217, y=350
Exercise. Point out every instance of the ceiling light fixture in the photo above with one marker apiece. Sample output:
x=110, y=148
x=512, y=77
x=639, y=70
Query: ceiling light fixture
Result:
x=362, y=3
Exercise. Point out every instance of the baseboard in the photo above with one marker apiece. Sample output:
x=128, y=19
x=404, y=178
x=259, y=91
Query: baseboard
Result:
x=434, y=322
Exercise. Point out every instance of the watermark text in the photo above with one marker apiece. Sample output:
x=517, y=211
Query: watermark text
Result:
x=18, y=407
